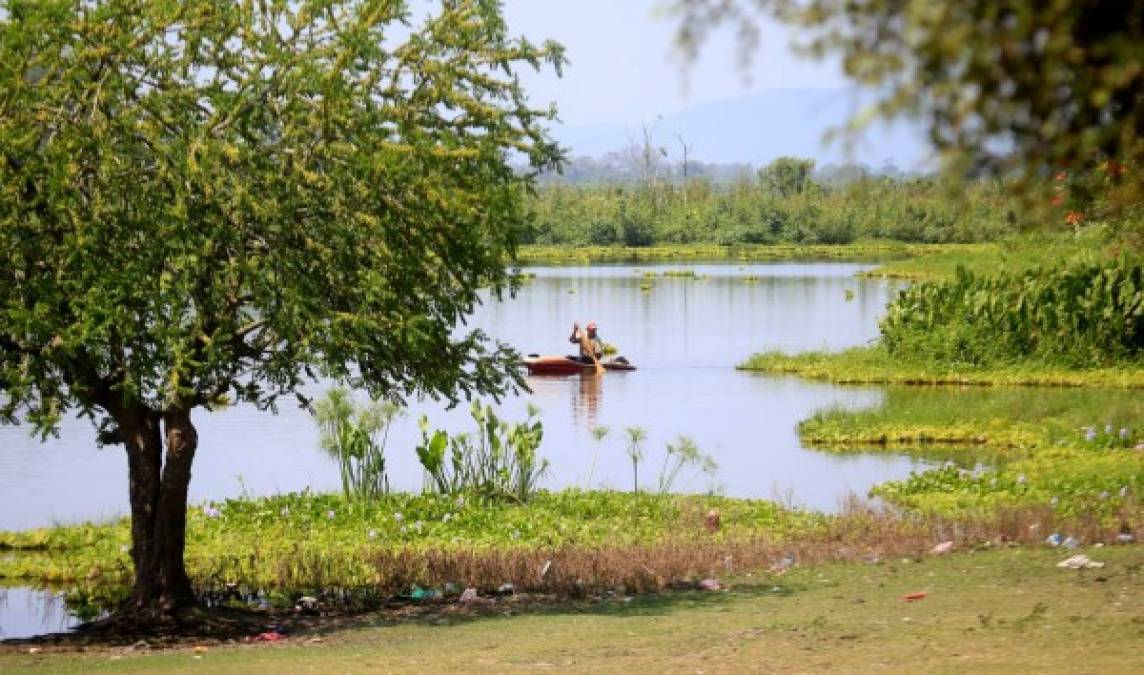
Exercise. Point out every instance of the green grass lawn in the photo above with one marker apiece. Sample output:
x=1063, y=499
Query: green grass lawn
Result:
x=1008, y=610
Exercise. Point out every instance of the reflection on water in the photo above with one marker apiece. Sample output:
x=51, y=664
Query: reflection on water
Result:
x=25, y=612
x=586, y=405
x=684, y=335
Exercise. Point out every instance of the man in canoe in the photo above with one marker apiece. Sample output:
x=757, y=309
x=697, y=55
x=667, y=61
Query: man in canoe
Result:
x=590, y=343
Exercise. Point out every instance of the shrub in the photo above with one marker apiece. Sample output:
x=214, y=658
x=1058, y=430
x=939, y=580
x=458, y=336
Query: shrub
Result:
x=1083, y=315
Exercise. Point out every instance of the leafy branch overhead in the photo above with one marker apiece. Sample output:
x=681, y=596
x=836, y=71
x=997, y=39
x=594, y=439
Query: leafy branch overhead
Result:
x=1003, y=86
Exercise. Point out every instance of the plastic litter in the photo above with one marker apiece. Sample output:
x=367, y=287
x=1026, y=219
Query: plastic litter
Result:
x=784, y=563
x=1054, y=539
x=942, y=548
x=1079, y=562
x=1125, y=538
x=506, y=589
x=710, y=585
x=268, y=636
x=914, y=597
x=1069, y=542
x=419, y=593
x=469, y=595
x=307, y=604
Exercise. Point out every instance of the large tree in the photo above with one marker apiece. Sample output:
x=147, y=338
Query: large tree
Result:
x=211, y=200
x=1009, y=86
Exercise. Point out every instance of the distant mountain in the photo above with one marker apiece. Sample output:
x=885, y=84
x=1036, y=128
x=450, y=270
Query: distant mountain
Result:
x=756, y=128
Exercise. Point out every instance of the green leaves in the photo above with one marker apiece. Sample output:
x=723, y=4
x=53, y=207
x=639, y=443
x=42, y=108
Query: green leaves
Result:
x=354, y=435
x=1083, y=315
x=202, y=198
x=502, y=463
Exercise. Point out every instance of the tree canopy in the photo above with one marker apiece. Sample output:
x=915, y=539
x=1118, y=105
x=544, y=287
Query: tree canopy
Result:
x=1003, y=86
x=206, y=199
x=787, y=176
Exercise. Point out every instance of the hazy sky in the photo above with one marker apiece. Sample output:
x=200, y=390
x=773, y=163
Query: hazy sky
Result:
x=624, y=68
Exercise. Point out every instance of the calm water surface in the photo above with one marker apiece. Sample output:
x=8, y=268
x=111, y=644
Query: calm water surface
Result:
x=27, y=611
x=685, y=335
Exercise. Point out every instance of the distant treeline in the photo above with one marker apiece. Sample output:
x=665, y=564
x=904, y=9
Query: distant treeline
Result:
x=784, y=202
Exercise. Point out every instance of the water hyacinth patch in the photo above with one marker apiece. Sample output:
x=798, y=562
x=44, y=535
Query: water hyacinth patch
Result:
x=1073, y=481
x=1110, y=437
x=255, y=546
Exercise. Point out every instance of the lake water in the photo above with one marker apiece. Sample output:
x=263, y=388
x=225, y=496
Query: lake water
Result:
x=685, y=335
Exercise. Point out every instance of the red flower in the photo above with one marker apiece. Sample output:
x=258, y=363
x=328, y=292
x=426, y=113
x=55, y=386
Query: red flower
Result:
x=1057, y=200
x=1061, y=177
x=1074, y=217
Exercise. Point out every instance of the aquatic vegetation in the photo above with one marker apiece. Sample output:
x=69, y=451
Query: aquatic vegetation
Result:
x=1012, y=254
x=681, y=274
x=291, y=541
x=1074, y=481
x=501, y=463
x=875, y=364
x=878, y=251
x=683, y=453
x=354, y=435
x=598, y=435
x=1077, y=316
x=1009, y=419
x=1071, y=450
x=636, y=437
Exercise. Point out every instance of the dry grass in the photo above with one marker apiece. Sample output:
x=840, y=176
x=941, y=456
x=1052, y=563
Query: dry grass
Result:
x=862, y=533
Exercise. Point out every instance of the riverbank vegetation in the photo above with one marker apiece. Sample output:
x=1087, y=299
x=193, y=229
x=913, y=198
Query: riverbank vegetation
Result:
x=860, y=251
x=1073, y=324
x=1074, y=450
x=781, y=204
x=323, y=541
x=1013, y=420
x=267, y=552
x=876, y=365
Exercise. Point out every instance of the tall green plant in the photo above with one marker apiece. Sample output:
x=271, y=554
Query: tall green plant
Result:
x=598, y=435
x=683, y=453
x=500, y=461
x=354, y=435
x=636, y=437
x=1080, y=315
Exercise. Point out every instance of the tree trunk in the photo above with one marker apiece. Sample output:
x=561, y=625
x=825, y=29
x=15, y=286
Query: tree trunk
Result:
x=182, y=441
x=158, y=491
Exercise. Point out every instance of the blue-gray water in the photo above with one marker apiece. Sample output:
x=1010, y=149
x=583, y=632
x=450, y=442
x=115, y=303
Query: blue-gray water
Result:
x=685, y=335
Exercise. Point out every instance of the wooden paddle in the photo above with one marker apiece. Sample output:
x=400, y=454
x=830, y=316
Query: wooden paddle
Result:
x=586, y=345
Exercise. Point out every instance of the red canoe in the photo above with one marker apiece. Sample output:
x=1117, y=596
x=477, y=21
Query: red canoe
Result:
x=569, y=365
